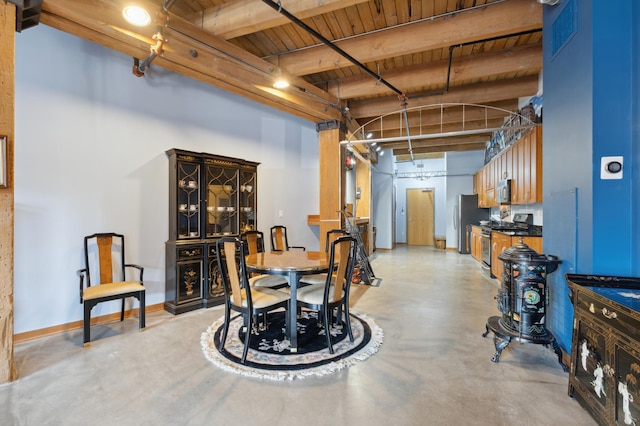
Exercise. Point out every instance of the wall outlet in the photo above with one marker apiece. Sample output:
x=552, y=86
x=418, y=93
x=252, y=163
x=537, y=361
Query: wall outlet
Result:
x=611, y=167
x=281, y=213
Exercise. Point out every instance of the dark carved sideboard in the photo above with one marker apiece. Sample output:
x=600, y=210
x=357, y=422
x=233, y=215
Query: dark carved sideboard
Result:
x=605, y=350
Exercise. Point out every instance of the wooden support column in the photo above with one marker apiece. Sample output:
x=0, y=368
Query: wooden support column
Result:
x=7, y=98
x=331, y=181
x=363, y=204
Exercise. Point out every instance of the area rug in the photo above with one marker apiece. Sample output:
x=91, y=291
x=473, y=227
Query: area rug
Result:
x=269, y=356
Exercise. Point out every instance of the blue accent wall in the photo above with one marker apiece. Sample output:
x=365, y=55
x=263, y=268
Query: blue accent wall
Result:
x=591, y=103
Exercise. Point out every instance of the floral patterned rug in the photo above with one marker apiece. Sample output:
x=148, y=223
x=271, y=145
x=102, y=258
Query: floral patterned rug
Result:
x=269, y=356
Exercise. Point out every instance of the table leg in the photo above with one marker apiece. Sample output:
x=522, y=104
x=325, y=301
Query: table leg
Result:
x=293, y=319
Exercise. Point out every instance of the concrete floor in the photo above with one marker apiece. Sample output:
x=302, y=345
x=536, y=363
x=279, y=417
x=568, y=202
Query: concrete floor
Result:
x=434, y=367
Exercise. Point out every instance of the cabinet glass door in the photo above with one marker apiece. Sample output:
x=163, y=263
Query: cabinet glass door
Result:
x=188, y=200
x=247, y=197
x=222, y=201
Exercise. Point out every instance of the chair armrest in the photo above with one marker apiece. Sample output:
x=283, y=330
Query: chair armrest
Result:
x=298, y=247
x=138, y=267
x=81, y=274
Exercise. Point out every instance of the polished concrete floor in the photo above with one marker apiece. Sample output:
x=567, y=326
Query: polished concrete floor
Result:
x=434, y=367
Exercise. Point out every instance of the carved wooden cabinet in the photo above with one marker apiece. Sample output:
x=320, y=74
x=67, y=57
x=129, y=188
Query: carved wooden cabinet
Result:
x=605, y=350
x=210, y=196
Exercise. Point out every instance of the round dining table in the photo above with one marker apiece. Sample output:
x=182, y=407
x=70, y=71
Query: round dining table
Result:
x=292, y=264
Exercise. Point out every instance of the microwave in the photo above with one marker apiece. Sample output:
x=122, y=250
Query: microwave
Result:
x=503, y=196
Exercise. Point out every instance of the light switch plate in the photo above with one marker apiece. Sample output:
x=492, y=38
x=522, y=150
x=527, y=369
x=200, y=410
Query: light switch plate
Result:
x=611, y=167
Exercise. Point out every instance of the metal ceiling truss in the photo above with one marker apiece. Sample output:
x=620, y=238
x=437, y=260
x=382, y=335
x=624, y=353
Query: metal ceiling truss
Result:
x=514, y=122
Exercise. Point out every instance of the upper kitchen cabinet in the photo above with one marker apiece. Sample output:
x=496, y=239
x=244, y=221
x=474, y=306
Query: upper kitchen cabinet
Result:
x=520, y=162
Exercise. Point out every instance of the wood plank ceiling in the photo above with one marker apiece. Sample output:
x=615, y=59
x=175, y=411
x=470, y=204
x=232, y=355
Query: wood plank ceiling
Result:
x=486, y=52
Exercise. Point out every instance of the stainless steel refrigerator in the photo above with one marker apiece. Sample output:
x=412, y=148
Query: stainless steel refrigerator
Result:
x=467, y=212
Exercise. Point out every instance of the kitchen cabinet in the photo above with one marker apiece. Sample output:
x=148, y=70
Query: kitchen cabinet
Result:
x=520, y=162
x=477, y=184
x=476, y=243
x=210, y=196
x=604, y=375
x=500, y=242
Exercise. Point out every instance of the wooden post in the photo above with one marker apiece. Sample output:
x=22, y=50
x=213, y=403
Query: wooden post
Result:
x=331, y=181
x=7, y=97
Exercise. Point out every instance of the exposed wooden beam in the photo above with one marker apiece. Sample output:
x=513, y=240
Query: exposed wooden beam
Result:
x=430, y=143
x=216, y=61
x=242, y=17
x=522, y=59
x=443, y=148
x=499, y=19
x=417, y=132
x=481, y=93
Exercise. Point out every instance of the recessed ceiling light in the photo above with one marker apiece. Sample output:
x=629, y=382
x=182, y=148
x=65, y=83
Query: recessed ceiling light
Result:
x=281, y=84
x=136, y=15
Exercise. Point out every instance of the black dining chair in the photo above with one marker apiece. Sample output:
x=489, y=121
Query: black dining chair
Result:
x=279, y=240
x=334, y=295
x=254, y=243
x=316, y=279
x=239, y=295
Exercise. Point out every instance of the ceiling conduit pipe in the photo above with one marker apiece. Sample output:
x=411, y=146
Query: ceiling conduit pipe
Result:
x=403, y=98
x=278, y=8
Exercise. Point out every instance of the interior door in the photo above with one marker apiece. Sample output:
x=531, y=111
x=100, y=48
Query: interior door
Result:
x=420, y=217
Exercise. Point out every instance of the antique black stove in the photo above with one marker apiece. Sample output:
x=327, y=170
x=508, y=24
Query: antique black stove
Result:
x=522, y=300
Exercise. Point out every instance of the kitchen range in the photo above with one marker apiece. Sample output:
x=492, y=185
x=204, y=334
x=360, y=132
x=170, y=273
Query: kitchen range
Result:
x=522, y=225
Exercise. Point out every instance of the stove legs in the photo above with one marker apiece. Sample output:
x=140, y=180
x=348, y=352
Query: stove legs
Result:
x=502, y=337
x=499, y=341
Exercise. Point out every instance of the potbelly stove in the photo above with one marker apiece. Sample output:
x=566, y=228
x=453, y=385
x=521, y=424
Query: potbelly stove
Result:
x=522, y=300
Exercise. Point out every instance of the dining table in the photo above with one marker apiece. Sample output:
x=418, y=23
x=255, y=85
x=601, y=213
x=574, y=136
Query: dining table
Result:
x=292, y=264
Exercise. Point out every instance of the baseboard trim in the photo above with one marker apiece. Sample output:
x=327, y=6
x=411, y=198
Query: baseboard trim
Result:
x=76, y=325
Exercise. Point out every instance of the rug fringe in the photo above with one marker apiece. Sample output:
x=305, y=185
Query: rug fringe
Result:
x=213, y=355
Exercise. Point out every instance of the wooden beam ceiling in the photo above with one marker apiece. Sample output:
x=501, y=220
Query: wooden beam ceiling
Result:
x=435, y=51
x=496, y=21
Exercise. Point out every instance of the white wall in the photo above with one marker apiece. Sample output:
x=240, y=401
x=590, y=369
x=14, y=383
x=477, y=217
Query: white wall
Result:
x=460, y=169
x=438, y=184
x=90, y=142
x=382, y=193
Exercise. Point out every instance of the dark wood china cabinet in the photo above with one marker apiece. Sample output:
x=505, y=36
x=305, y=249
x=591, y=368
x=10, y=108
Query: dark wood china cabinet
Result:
x=210, y=196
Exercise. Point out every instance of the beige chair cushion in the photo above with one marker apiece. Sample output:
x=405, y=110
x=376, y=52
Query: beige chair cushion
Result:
x=110, y=289
x=262, y=297
x=314, y=279
x=267, y=281
x=314, y=294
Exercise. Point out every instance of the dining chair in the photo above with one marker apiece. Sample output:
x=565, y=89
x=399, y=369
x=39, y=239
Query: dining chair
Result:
x=240, y=296
x=316, y=279
x=334, y=295
x=254, y=243
x=104, y=277
x=279, y=240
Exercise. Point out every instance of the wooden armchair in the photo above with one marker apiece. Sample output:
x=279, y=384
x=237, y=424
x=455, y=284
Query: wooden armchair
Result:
x=103, y=277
